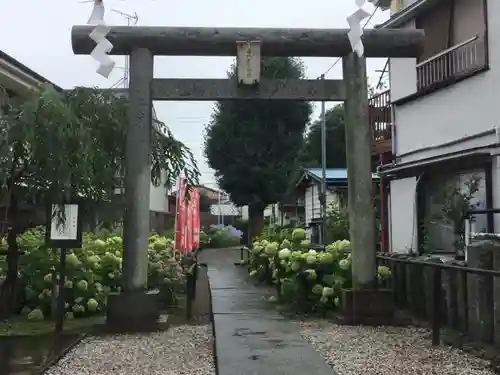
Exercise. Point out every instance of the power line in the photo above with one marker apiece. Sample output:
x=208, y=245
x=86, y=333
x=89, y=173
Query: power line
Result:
x=379, y=84
x=340, y=58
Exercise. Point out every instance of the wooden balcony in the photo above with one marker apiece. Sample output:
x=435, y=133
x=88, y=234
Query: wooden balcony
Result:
x=451, y=65
x=380, y=116
x=293, y=204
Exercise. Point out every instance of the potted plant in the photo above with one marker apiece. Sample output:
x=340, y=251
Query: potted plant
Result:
x=456, y=211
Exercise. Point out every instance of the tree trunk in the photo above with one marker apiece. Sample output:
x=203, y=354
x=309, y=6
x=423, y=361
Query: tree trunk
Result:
x=8, y=290
x=255, y=220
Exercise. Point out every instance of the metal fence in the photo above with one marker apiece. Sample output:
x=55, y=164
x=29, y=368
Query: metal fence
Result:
x=471, y=232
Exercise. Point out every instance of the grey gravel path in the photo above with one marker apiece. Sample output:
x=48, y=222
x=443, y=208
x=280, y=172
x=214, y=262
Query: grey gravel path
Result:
x=388, y=350
x=182, y=350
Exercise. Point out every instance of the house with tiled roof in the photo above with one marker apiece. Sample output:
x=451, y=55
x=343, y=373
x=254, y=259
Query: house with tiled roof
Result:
x=302, y=203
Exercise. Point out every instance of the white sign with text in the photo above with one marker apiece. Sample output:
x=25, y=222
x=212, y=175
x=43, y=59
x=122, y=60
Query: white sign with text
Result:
x=67, y=229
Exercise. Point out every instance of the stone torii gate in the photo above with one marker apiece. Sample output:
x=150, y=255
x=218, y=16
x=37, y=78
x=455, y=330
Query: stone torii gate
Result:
x=248, y=45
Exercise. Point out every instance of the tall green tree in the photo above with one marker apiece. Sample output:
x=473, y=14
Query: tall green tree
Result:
x=335, y=136
x=253, y=146
x=57, y=146
x=335, y=141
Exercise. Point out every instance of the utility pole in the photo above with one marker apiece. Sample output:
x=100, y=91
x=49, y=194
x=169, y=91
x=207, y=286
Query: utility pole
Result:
x=218, y=206
x=132, y=19
x=323, y=172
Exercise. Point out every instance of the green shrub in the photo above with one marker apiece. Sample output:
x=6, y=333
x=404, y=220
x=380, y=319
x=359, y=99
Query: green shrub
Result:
x=204, y=240
x=305, y=279
x=221, y=237
x=337, y=224
x=276, y=233
x=93, y=272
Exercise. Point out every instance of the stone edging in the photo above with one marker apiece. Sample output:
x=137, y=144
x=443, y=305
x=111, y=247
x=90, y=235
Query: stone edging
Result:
x=52, y=360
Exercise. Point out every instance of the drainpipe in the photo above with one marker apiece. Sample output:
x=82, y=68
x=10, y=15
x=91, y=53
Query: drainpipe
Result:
x=383, y=210
x=496, y=176
x=393, y=132
x=323, y=173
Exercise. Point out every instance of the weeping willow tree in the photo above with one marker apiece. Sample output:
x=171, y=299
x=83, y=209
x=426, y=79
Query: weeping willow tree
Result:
x=55, y=147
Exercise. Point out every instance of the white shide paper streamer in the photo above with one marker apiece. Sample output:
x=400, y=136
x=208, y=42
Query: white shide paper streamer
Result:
x=356, y=30
x=98, y=35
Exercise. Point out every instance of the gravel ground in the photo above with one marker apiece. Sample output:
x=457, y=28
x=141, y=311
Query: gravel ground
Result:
x=182, y=350
x=388, y=350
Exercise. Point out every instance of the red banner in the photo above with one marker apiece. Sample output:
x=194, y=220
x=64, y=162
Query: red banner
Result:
x=180, y=217
x=195, y=219
x=187, y=219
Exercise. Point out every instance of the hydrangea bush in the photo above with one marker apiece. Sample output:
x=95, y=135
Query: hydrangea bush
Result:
x=93, y=272
x=305, y=278
x=220, y=236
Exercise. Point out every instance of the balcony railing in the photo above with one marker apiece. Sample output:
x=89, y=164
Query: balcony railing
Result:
x=380, y=117
x=453, y=63
x=299, y=202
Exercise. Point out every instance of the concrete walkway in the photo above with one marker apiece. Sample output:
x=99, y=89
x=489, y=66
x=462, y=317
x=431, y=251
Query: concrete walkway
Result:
x=251, y=337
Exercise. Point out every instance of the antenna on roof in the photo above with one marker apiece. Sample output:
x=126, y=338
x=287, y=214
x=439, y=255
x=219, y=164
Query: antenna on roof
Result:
x=132, y=19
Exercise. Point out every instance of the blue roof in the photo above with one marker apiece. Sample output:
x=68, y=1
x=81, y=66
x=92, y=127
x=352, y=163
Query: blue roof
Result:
x=332, y=174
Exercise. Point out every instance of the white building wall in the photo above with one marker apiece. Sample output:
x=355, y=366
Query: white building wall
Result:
x=403, y=74
x=244, y=213
x=278, y=218
x=450, y=114
x=403, y=218
x=286, y=220
x=268, y=211
x=309, y=203
x=315, y=203
x=158, y=196
x=430, y=126
x=312, y=203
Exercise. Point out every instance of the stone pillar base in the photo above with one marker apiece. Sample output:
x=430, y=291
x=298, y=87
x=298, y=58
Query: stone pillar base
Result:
x=367, y=307
x=133, y=312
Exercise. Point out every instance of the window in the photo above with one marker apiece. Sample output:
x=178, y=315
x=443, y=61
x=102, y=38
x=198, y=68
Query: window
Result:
x=450, y=23
x=343, y=198
x=439, y=233
x=436, y=24
x=479, y=222
x=468, y=20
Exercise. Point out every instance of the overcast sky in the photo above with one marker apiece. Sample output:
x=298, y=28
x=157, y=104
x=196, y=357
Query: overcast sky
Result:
x=37, y=33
